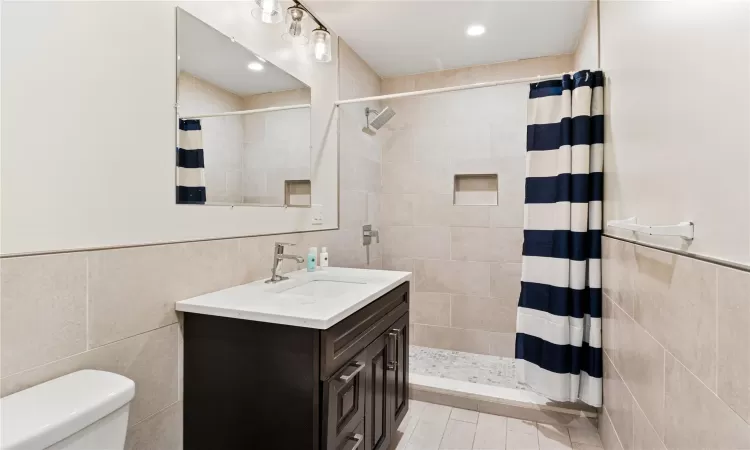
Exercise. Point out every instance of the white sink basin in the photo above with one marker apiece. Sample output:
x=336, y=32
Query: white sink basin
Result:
x=317, y=299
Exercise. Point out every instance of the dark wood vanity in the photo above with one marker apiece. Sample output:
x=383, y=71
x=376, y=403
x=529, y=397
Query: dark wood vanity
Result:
x=257, y=385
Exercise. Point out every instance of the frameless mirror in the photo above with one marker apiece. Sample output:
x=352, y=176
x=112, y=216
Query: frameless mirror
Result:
x=243, y=124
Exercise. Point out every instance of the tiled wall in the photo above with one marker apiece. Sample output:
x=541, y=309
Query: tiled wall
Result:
x=276, y=145
x=676, y=338
x=359, y=159
x=222, y=136
x=465, y=259
x=114, y=309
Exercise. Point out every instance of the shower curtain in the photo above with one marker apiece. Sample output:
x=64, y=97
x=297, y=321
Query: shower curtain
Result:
x=558, y=337
x=191, y=177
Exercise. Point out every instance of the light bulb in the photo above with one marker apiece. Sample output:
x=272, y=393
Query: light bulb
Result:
x=255, y=66
x=294, y=30
x=321, y=45
x=475, y=30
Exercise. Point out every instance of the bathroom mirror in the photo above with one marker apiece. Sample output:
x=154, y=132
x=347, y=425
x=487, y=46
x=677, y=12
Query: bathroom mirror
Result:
x=243, y=124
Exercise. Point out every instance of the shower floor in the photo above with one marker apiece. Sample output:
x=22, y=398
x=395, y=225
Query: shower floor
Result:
x=462, y=379
x=462, y=366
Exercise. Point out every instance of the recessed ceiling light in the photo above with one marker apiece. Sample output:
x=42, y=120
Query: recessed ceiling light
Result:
x=255, y=66
x=475, y=30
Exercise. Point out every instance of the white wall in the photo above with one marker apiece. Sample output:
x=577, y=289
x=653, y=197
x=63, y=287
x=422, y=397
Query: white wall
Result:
x=89, y=132
x=586, y=55
x=677, y=107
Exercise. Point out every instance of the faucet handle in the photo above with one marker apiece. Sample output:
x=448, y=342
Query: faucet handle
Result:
x=279, y=247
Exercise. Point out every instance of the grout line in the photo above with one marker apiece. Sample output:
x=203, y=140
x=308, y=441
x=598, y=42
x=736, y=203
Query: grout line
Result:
x=445, y=428
x=656, y=432
x=153, y=415
x=86, y=351
x=665, y=368
x=506, y=431
x=609, y=418
x=663, y=397
x=716, y=317
x=88, y=286
x=709, y=389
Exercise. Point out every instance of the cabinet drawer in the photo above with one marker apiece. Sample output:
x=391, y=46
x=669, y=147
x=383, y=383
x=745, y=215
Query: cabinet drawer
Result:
x=354, y=440
x=344, y=404
x=347, y=338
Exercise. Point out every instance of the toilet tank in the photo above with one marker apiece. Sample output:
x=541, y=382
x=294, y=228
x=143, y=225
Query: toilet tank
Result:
x=85, y=410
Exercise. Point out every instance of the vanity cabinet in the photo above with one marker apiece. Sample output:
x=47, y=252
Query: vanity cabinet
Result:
x=259, y=385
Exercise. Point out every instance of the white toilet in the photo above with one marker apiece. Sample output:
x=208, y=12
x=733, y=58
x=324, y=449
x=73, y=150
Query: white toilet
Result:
x=85, y=410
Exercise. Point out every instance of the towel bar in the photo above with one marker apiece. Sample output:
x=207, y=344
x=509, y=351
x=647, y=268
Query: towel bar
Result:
x=682, y=229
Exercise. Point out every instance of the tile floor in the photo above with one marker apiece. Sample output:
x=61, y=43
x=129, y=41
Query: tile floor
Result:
x=436, y=427
x=462, y=366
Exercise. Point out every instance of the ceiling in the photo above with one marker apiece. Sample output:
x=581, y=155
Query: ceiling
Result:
x=406, y=37
x=213, y=57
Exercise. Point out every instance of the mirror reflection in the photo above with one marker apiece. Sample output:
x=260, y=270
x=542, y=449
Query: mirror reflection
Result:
x=243, y=124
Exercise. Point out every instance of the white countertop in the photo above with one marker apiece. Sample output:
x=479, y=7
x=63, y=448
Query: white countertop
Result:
x=317, y=299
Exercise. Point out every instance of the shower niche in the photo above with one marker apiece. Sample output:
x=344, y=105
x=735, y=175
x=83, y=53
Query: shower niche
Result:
x=475, y=189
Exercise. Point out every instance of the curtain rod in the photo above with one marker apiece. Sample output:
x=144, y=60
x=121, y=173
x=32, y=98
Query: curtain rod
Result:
x=451, y=89
x=249, y=111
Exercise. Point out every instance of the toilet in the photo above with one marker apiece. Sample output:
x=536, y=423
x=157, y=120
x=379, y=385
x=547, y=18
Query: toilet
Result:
x=84, y=410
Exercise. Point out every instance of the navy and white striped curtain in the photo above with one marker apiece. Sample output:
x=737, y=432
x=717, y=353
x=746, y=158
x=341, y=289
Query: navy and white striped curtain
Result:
x=559, y=328
x=191, y=177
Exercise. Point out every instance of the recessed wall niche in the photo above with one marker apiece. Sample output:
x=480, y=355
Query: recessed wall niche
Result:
x=475, y=189
x=297, y=192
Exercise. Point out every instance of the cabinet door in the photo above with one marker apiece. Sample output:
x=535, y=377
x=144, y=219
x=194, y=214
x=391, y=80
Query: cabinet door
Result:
x=399, y=365
x=378, y=401
x=344, y=404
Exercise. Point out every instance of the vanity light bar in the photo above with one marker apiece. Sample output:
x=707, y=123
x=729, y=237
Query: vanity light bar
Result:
x=245, y=112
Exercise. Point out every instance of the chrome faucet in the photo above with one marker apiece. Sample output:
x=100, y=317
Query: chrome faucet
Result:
x=278, y=257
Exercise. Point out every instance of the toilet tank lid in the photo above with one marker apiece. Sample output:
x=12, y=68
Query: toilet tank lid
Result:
x=49, y=412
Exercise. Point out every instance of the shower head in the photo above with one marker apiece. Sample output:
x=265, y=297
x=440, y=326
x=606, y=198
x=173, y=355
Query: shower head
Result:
x=381, y=118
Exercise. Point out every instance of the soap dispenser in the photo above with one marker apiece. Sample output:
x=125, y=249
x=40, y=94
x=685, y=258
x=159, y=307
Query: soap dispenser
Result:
x=312, y=259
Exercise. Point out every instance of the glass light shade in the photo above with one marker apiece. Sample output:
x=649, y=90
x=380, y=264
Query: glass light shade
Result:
x=268, y=11
x=321, y=42
x=294, y=30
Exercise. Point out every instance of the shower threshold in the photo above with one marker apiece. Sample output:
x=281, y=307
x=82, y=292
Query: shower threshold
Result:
x=488, y=384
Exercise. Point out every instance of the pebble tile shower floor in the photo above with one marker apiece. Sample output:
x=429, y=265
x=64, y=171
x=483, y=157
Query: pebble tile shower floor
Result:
x=462, y=366
x=437, y=427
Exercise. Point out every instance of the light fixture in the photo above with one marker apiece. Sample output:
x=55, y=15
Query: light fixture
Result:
x=475, y=30
x=260, y=59
x=268, y=11
x=255, y=66
x=294, y=16
x=321, y=41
